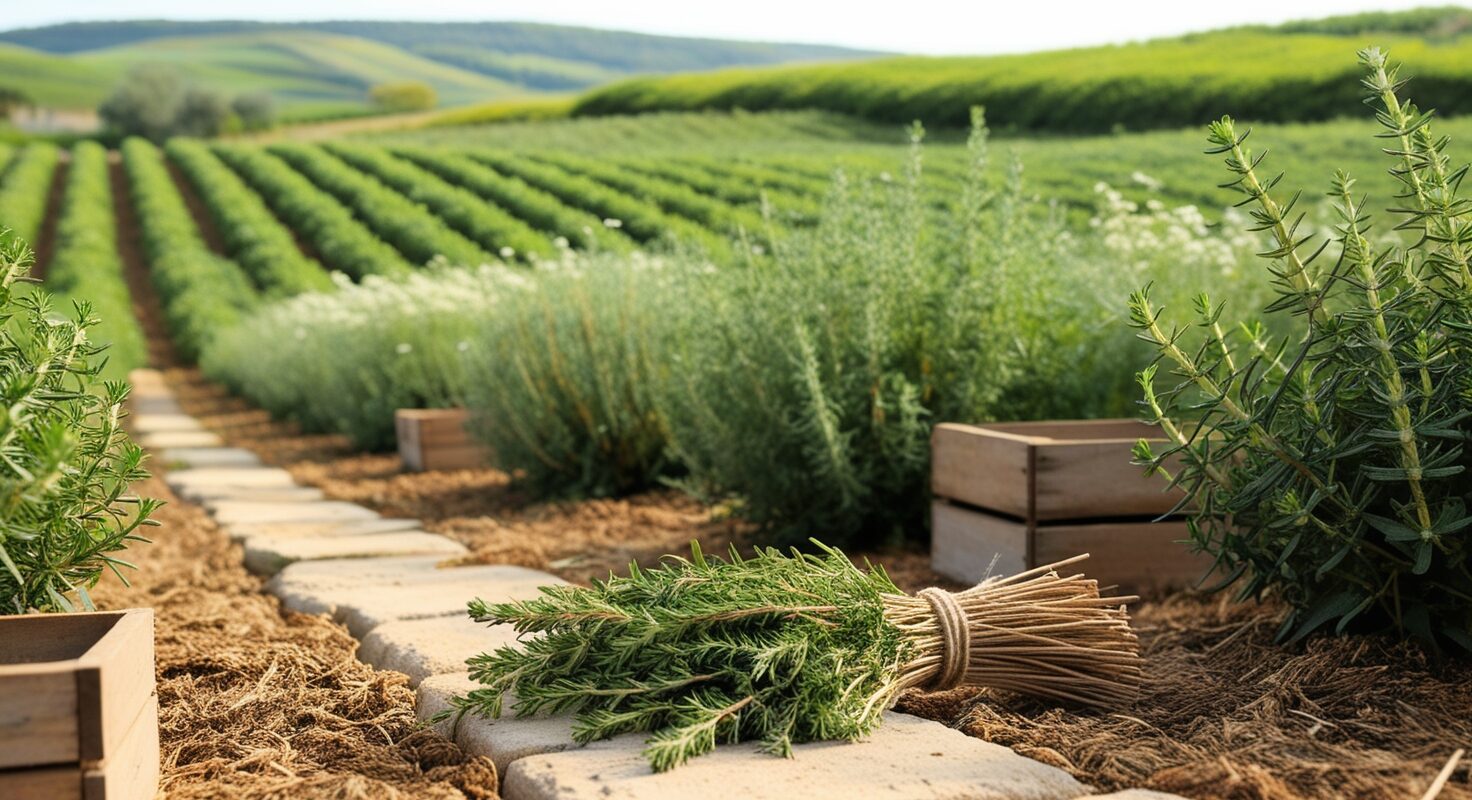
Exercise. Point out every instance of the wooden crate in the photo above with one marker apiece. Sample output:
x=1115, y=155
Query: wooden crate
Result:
x=78, y=709
x=436, y=438
x=1030, y=493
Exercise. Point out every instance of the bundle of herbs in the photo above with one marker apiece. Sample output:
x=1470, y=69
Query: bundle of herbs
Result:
x=784, y=649
x=1329, y=468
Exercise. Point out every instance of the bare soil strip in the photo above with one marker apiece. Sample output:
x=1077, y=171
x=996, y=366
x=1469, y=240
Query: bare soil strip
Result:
x=197, y=209
x=146, y=307
x=46, y=241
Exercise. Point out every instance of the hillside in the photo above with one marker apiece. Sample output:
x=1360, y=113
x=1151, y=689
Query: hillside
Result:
x=334, y=62
x=1299, y=72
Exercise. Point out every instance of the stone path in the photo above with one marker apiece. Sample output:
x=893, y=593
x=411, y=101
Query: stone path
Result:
x=382, y=579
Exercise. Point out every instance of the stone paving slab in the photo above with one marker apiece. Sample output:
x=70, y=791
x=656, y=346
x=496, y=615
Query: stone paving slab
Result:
x=300, y=530
x=184, y=480
x=367, y=607
x=199, y=457
x=169, y=440
x=906, y=758
x=312, y=587
x=245, y=512
x=214, y=498
x=267, y=555
x=326, y=594
x=147, y=404
x=151, y=422
x=423, y=648
x=503, y=740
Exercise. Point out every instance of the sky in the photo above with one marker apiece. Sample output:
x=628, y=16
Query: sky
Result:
x=910, y=26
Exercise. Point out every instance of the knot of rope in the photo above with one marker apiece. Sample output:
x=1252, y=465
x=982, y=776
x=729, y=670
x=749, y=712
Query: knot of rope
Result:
x=955, y=635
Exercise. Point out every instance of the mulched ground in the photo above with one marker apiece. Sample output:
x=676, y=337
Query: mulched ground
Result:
x=260, y=703
x=1225, y=713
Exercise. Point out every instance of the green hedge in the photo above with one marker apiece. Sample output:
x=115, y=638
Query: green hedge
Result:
x=419, y=235
x=486, y=224
x=342, y=242
x=202, y=293
x=1180, y=82
x=255, y=238
x=85, y=265
x=24, y=188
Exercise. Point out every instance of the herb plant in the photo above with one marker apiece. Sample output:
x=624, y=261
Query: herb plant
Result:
x=65, y=461
x=1329, y=468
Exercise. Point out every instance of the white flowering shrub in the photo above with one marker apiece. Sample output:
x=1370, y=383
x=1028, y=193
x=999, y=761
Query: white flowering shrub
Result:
x=344, y=361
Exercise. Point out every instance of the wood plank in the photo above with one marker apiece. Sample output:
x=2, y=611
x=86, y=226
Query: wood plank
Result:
x=38, y=715
x=1136, y=556
x=45, y=783
x=115, y=680
x=983, y=468
x=1093, y=479
x=131, y=772
x=965, y=544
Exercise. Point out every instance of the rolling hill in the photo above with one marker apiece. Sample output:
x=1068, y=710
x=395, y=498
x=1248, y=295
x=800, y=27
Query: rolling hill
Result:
x=334, y=63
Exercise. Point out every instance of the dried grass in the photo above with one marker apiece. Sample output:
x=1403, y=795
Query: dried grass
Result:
x=255, y=703
x=1225, y=713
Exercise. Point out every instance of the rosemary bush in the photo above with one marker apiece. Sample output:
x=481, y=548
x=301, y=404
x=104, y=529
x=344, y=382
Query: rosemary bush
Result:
x=1328, y=467
x=65, y=461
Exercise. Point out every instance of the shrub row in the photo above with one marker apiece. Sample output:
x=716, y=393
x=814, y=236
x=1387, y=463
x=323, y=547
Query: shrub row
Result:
x=361, y=352
x=641, y=219
x=85, y=265
x=672, y=196
x=201, y=292
x=1181, y=82
x=24, y=188
x=486, y=224
x=255, y=238
x=806, y=388
x=342, y=242
x=787, y=206
x=414, y=231
x=543, y=210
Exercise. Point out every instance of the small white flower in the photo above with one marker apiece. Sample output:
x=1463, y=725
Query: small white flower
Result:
x=508, y=252
x=462, y=346
x=612, y=223
x=404, y=348
x=561, y=243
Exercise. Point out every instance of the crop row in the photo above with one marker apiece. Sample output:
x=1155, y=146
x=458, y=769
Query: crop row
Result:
x=539, y=208
x=85, y=265
x=672, y=197
x=641, y=219
x=202, y=293
x=790, y=207
x=487, y=224
x=418, y=234
x=341, y=241
x=262, y=245
x=24, y=190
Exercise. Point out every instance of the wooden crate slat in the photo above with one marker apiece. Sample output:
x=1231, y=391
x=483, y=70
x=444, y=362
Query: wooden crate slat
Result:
x=987, y=471
x=131, y=772
x=45, y=783
x=1137, y=555
x=964, y=543
x=38, y=715
x=114, y=682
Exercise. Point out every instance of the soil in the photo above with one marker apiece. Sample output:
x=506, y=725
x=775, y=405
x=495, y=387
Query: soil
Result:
x=256, y=702
x=46, y=241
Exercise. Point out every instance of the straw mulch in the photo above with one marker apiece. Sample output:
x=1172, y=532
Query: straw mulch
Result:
x=257, y=704
x=1225, y=713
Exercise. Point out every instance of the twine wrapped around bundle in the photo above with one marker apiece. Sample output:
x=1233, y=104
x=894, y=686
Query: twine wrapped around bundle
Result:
x=788, y=648
x=1035, y=633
